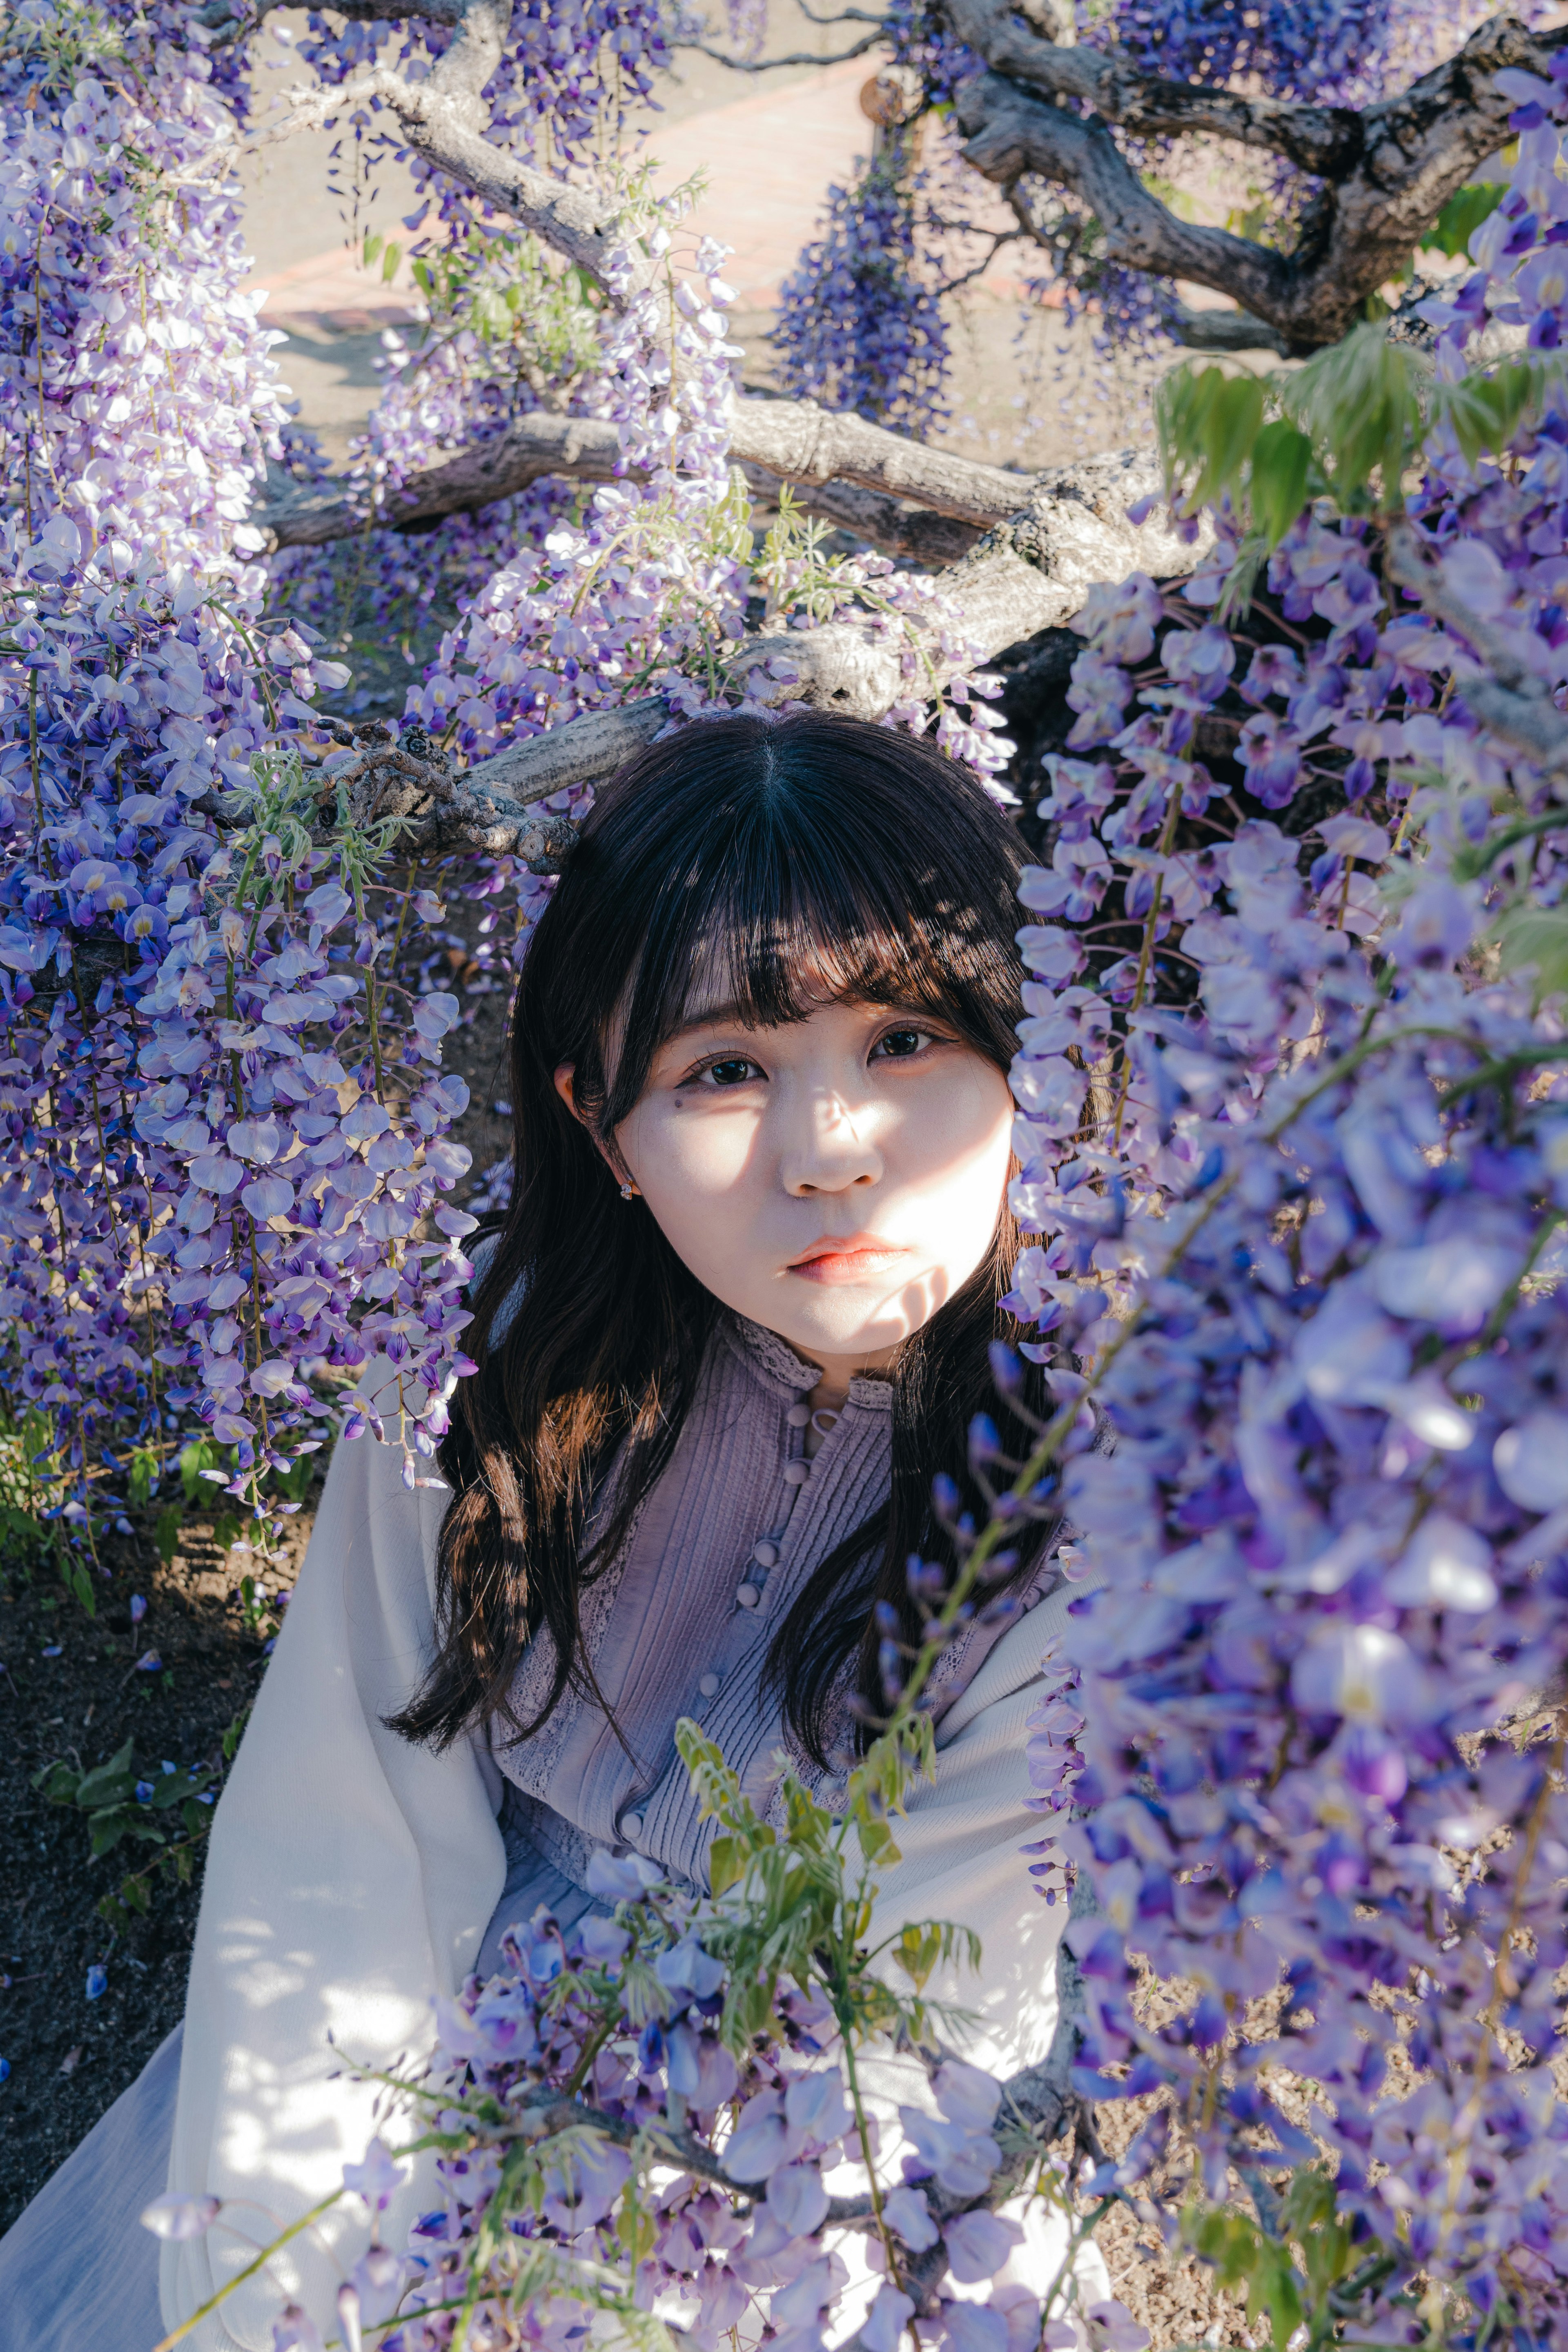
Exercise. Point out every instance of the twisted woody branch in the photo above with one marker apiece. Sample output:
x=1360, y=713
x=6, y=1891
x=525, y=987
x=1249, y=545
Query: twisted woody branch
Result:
x=1386, y=172
x=1019, y=554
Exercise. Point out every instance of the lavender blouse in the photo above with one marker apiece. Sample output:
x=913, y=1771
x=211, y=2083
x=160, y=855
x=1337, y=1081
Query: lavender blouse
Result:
x=681, y=1624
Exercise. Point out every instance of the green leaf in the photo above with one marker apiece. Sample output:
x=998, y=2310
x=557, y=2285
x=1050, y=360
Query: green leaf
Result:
x=1536, y=938
x=1485, y=411
x=59, y=1781
x=166, y=1532
x=1282, y=463
x=918, y=1951
x=200, y=1455
x=390, y=260
x=726, y=1863
x=111, y=1782
x=372, y=247
x=144, y=1466
x=1463, y=214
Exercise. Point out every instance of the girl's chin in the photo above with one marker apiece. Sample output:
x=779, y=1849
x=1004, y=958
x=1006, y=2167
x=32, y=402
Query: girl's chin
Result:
x=837, y=1321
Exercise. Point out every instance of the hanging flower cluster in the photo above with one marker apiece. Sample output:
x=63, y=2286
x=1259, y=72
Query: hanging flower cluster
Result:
x=137, y=392
x=861, y=323
x=660, y=2111
x=223, y=1132
x=1291, y=1145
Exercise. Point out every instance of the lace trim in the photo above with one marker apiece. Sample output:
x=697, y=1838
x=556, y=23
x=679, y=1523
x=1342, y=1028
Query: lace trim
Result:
x=557, y=1841
x=777, y=1365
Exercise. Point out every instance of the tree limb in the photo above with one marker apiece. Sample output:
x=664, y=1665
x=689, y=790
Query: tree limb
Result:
x=1224, y=330
x=1032, y=571
x=1321, y=139
x=1011, y=132
x=232, y=19
x=442, y=119
x=930, y=539
x=1387, y=171
x=913, y=488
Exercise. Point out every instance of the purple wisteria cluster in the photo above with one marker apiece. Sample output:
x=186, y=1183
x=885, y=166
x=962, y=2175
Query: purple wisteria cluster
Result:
x=1292, y=1144
x=222, y=1129
x=1341, y=52
x=450, y=392
x=137, y=393
x=608, y=2139
x=861, y=323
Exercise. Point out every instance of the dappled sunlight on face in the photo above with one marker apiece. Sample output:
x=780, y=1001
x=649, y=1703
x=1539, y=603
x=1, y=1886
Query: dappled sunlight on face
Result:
x=836, y=1179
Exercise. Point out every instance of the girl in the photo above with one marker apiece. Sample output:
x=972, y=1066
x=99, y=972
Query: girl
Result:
x=736, y=1317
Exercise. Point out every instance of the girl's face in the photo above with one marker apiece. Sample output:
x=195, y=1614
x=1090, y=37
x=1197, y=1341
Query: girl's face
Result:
x=834, y=1178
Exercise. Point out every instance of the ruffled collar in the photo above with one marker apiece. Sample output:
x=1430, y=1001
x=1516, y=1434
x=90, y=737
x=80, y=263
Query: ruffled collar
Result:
x=775, y=1363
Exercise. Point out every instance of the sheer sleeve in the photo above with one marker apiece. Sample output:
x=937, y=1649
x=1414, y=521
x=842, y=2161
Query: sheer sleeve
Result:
x=960, y=1844
x=349, y=1878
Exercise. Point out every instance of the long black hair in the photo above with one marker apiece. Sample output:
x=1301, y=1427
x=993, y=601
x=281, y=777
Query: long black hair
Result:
x=765, y=856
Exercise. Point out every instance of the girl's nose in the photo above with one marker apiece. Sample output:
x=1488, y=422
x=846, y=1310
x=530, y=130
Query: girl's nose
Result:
x=831, y=1149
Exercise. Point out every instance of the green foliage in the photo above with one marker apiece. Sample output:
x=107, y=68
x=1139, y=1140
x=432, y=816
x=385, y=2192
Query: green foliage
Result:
x=1209, y=419
x=199, y=1455
x=71, y=36
x=1301, y=2269
x=1360, y=402
x=388, y=252
x=1537, y=938
x=798, y=1903
x=1485, y=411
x=1350, y=424
x=146, y=1466
x=35, y=1485
x=170, y=1815
x=512, y=296
x=1463, y=214
x=1244, y=2258
x=1280, y=471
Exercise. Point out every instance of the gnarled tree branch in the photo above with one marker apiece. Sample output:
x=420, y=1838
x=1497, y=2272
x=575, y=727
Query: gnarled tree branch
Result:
x=1388, y=172
x=906, y=498
x=443, y=119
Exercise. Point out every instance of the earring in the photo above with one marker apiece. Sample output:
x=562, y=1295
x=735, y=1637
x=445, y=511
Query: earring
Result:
x=628, y=1191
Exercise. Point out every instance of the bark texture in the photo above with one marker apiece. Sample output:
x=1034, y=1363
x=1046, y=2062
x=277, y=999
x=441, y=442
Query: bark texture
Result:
x=1387, y=171
x=910, y=488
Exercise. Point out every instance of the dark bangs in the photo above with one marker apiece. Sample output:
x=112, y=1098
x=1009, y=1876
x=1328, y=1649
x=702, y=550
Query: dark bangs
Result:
x=763, y=867
x=780, y=865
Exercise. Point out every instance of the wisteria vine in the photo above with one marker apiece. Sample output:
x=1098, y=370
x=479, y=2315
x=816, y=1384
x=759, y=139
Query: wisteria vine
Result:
x=1292, y=1149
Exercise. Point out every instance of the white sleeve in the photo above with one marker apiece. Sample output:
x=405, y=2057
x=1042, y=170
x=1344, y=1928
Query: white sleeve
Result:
x=962, y=1861
x=350, y=1877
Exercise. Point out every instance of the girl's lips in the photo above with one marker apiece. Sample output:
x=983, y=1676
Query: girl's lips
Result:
x=850, y=1260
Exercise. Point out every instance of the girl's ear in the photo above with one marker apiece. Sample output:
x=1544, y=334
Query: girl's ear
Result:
x=564, y=1075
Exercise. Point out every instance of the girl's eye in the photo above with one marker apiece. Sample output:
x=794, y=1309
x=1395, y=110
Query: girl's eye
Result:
x=899, y=1045
x=734, y=1070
